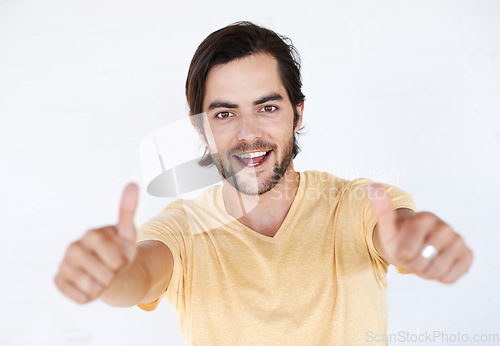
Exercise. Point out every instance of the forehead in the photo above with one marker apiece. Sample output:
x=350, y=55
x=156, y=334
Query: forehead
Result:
x=244, y=80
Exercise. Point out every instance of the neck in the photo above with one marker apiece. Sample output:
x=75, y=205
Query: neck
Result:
x=263, y=213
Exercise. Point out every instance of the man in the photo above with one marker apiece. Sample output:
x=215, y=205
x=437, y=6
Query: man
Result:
x=273, y=256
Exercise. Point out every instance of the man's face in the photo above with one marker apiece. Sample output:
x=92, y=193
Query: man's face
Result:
x=249, y=124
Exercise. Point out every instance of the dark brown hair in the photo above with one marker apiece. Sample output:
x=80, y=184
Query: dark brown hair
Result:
x=236, y=41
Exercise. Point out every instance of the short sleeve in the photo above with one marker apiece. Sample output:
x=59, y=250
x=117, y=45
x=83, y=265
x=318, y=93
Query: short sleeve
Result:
x=169, y=227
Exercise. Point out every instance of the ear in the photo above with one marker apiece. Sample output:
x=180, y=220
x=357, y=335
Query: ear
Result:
x=300, y=111
x=197, y=122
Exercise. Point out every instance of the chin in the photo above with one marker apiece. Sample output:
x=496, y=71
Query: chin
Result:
x=256, y=184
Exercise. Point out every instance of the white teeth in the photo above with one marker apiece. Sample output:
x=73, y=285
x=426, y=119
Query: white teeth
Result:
x=252, y=155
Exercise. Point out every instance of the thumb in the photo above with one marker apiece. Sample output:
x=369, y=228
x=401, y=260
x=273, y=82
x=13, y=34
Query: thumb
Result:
x=126, y=226
x=384, y=212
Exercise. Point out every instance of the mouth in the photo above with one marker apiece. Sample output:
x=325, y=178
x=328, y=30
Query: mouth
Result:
x=253, y=160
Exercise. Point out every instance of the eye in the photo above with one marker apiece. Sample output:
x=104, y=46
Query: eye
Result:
x=269, y=109
x=224, y=115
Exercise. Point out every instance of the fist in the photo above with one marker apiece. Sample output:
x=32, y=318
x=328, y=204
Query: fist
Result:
x=419, y=242
x=92, y=263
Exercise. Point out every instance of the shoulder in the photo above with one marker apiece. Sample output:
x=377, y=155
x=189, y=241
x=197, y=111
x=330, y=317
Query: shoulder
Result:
x=356, y=195
x=357, y=187
x=183, y=206
x=171, y=216
x=347, y=191
x=325, y=180
x=317, y=178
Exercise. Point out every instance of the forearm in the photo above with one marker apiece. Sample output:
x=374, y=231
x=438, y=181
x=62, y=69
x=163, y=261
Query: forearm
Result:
x=401, y=214
x=129, y=287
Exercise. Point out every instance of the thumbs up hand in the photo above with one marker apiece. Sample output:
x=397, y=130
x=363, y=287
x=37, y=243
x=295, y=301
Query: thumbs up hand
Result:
x=92, y=263
x=420, y=242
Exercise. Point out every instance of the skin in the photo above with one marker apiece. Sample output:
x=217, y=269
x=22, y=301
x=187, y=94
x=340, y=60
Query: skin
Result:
x=241, y=127
x=400, y=235
x=107, y=263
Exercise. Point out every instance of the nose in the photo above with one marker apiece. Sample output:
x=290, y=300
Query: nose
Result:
x=249, y=128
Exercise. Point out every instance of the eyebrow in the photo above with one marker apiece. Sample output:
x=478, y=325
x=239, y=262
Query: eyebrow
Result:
x=271, y=97
x=221, y=104
x=264, y=99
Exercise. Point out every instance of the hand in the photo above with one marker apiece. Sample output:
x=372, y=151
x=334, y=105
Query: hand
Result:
x=401, y=241
x=92, y=263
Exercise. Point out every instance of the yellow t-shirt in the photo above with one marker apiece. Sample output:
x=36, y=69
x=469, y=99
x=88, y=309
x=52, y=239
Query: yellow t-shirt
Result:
x=317, y=281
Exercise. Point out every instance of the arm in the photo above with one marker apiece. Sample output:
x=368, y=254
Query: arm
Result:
x=401, y=214
x=145, y=280
x=401, y=236
x=107, y=263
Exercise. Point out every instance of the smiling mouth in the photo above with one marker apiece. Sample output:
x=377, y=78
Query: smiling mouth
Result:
x=254, y=159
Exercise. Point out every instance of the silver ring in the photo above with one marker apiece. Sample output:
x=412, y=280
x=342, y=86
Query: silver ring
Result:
x=429, y=252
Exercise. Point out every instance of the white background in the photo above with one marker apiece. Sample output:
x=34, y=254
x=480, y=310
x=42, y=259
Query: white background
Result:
x=404, y=92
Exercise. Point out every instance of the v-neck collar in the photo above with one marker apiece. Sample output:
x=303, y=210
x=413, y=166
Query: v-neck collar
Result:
x=227, y=218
